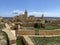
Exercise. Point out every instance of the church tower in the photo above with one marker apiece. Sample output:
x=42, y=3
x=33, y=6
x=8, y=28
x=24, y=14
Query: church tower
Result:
x=25, y=13
x=42, y=16
x=43, y=20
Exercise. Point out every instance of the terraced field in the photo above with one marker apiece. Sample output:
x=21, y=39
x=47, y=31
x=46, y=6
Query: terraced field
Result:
x=46, y=40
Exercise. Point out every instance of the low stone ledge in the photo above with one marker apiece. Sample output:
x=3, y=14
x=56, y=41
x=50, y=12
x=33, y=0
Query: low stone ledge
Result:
x=27, y=40
x=12, y=41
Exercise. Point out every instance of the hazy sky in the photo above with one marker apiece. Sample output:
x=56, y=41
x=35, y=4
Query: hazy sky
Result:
x=34, y=7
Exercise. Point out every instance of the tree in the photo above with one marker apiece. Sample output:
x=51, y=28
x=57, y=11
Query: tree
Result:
x=42, y=25
x=36, y=25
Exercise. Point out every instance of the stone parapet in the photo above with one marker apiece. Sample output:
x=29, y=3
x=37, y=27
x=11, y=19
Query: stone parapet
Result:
x=27, y=40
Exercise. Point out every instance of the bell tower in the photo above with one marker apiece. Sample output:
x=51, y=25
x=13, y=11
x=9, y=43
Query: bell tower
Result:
x=42, y=16
x=25, y=13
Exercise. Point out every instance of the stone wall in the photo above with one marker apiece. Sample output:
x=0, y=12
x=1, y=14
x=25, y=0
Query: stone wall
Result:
x=28, y=24
x=26, y=32
x=27, y=40
x=40, y=32
x=49, y=32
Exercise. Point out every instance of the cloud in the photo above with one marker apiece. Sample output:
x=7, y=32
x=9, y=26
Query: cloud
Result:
x=34, y=13
x=17, y=12
x=52, y=14
x=46, y=14
x=37, y=13
x=11, y=13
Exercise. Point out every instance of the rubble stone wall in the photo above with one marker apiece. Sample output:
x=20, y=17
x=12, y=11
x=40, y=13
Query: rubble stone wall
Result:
x=40, y=32
x=49, y=32
x=26, y=32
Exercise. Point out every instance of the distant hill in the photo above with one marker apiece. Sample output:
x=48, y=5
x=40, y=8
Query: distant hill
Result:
x=44, y=17
x=7, y=17
x=52, y=17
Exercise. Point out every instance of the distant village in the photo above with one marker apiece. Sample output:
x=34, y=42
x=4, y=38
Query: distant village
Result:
x=30, y=21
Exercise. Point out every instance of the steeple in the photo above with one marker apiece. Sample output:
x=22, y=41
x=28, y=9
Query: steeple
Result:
x=25, y=13
x=42, y=16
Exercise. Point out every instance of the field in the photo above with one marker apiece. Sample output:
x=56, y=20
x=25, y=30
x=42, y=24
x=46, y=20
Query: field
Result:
x=46, y=40
x=19, y=41
x=50, y=27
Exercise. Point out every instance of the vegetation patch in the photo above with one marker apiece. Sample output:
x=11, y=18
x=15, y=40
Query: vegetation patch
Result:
x=5, y=37
x=50, y=27
x=2, y=26
x=19, y=41
x=46, y=40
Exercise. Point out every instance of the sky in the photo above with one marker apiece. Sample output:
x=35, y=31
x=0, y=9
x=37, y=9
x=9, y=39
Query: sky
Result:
x=10, y=8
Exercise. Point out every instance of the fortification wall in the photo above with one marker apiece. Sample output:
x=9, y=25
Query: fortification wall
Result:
x=26, y=32
x=49, y=32
x=40, y=32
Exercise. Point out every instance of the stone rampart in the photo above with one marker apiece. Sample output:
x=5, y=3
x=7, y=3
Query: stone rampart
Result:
x=49, y=32
x=40, y=32
x=26, y=32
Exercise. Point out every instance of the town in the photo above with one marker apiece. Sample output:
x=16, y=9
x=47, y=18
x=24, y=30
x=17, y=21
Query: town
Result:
x=21, y=30
x=29, y=22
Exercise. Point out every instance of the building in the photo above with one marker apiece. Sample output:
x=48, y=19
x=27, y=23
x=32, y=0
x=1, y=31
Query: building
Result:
x=28, y=21
x=1, y=19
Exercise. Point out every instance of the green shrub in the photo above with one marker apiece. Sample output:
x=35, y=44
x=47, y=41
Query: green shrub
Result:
x=36, y=25
x=20, y=41
x=39, y=25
